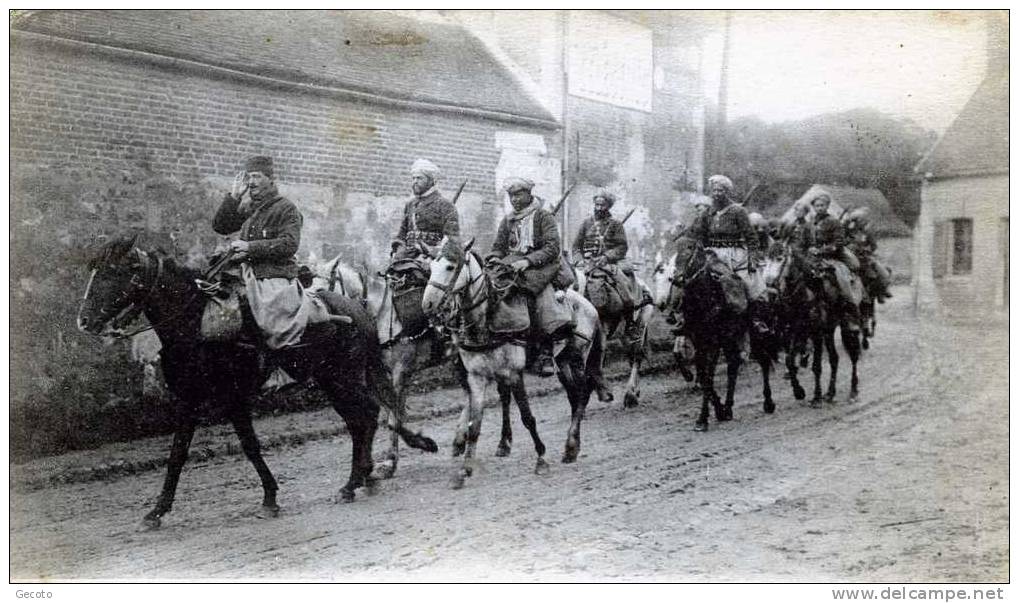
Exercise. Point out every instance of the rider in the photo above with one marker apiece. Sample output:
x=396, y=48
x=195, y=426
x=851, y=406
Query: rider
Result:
x=829, y=244
x=863, y=246
x=725, y=230
x=270, y=233
x=427, y=218
x=601, y=243
x=798, y=233
x=528, y=242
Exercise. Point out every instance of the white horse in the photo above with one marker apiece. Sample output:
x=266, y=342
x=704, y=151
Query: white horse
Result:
x=401, y=351
x=457, y=276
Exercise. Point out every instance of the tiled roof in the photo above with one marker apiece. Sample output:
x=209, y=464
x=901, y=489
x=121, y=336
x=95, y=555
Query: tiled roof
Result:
x=373, y=52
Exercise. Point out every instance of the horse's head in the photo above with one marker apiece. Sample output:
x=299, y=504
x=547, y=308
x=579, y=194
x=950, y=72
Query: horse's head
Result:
x=447, y=274
x=121, y=275
x=670, y=277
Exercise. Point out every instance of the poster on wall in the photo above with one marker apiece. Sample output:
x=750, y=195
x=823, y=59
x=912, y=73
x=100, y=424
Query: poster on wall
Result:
x=610, y=60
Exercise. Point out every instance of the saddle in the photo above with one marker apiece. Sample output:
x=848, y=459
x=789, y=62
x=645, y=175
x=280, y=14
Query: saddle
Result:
x=733, y=290
x=407, y=278
x=602, y=291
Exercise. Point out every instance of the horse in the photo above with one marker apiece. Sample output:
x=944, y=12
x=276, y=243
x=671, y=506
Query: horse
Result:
x=457, y=276
x=634, y=333
x=402, y=348
x=809, y=307
x=686, y=285
x=223, y=376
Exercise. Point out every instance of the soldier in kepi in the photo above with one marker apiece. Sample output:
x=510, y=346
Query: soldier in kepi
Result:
x=427, y=217
x=270, y=233
x=528, y=242
x=601, y=243
x=829, y=244
x=725, y=230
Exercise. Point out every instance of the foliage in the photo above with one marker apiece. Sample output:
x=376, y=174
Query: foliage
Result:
x=68, y=390
x=862, y=148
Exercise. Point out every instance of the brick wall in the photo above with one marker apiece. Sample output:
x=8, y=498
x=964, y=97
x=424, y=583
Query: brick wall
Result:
x=74, y=106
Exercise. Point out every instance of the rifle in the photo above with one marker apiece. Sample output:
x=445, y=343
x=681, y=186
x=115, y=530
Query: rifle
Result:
x=559, y=205
x=458, y=191
x=627, y=216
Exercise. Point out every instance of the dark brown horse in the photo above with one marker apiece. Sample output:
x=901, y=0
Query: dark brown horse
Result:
x=689, y=288
x=810, y=310
x=222, y=377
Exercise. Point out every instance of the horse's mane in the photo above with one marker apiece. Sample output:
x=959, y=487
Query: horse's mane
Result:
x=118, y=246
x=452, y=251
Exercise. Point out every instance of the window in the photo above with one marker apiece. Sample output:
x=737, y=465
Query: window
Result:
x=962, y=246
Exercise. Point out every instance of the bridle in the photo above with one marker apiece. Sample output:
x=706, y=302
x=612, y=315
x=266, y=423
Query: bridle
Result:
x=680, y=278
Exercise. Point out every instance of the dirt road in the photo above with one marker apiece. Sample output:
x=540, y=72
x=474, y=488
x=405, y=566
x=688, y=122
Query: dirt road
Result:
x=910, y=482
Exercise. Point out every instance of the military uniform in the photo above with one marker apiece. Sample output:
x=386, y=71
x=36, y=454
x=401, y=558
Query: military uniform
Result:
x=728, y=233
x=426, y=219
x=830, y=243
x=606, y=238
x=862, y=245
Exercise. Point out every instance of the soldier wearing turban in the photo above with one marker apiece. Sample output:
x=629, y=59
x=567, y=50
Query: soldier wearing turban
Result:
x=428, y=216
x=601, y=243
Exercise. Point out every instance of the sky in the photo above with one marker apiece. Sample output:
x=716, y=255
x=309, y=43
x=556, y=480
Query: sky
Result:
x=787, y=65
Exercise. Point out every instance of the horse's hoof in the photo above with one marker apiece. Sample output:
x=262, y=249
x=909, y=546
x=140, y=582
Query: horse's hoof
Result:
x=459, y=448
x=570, y=456
x=457, y=481
x=830, y=398
x=630, y=400
x=371, y=486
x=268, y=512
x=700, y=426
x=346, y=496
x=865, y=344
x=502, y=450
x=150, y=524
x=541, y=467
x=815, y=403
x=769, y=407
x=605, y=395
x=799, y=393
x=386, y=469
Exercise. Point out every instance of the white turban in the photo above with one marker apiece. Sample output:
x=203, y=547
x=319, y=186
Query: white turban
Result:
x=423, y=166
x=723, y=180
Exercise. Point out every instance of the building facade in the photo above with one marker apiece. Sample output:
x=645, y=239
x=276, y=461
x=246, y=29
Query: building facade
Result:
x=961, y=244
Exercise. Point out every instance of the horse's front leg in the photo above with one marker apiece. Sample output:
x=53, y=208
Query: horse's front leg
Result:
x=818, y=339
x=182, y=436
x=833, y=363
x=705, y=364
x=791, y=370
x=468, y=433
x=530, y=423
x=638, y=349
x=602, y=389
x=852, y=345
x=240, y=417
x=401, y=372
x=732, y=365
x=764, y=359
x=506, y=439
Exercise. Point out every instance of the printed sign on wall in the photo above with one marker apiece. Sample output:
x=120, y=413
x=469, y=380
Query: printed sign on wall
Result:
x=610, y=60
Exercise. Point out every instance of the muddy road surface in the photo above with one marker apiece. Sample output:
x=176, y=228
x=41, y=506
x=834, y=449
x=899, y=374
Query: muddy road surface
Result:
x=909, y=482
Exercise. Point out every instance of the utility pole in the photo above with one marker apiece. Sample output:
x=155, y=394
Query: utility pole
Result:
x=723, y=101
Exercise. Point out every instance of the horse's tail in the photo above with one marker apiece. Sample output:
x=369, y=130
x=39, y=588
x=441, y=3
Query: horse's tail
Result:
x=380, y=386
